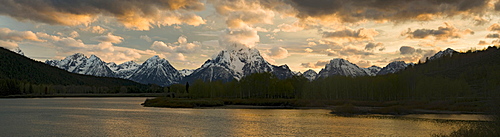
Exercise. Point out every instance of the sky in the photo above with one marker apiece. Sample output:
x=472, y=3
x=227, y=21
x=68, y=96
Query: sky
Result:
x=304, y=34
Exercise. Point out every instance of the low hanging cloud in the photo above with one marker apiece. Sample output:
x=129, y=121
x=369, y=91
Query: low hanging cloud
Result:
x=361, y=34
x=108, y=38
x=386, y=10
x=318, y=64
x=181, y=46
x=105, y=50
x=133, y=14
x=442, y=33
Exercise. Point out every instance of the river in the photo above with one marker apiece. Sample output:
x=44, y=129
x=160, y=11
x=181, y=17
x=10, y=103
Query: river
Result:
x=126, y=117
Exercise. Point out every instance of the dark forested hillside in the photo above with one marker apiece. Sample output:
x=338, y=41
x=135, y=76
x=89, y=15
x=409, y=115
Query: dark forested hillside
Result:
x=19, y=74
x=474, y=74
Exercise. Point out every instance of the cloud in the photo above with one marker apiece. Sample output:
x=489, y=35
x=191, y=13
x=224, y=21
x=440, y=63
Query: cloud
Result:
x=442, y=33
x=497, y=6
x=482, y=43
x=13, y=35
x=494, y=27
x=176, y=57
x=406, y=50
x=348, y=52
x=74, y=34
x=361, y=34
x=8, y=44
x=241, y=13
x=181, y=46
x=372, y=46
x=278, y=53
x=105, y=50
x=146, y=38
x=386, y=10
x=364, y=63
x=108, y=38
x=308, y=50
x=94, y=29
x=235, y=38
x=133, y=14
x=318, y=64
x=495, y=35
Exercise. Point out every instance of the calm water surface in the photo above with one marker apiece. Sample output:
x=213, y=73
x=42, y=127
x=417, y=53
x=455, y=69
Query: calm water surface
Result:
x=126, y=117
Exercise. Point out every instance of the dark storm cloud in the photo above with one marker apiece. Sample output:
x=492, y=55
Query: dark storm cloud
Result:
x=392, y=10
x=75, y=12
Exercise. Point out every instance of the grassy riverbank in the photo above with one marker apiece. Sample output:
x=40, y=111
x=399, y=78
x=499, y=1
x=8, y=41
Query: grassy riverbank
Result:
x=341, y=107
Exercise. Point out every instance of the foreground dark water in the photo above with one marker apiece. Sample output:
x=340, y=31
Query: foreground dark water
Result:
x=126, y=117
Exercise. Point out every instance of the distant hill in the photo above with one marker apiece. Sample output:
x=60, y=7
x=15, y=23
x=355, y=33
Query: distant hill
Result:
x=19, y=70
x=15, y=66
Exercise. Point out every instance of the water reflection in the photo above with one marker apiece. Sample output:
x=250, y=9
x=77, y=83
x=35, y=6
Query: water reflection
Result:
x=125, y=117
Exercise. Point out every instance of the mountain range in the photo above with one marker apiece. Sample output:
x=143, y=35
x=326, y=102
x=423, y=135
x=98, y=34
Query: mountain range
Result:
x=228, y=65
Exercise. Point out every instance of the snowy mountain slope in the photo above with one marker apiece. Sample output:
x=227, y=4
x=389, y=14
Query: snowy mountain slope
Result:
x=186, y=72
x=124, y=70
x=447, y=52
x=393, y=67
x=310, y=74
x=341, y=67
x=156, y=71
x=235, y=64
x=372, y=71
x=79, y=63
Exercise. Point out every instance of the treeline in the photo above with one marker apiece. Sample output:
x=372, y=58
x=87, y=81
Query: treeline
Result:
x=474, y=74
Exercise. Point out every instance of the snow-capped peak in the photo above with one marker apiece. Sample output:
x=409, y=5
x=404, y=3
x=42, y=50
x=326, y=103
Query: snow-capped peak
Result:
x=393, y=67
x=236, y=63
x=341, y=67
x=447, y=52
x=242, y=61
x=156, y=71
x=310, y=74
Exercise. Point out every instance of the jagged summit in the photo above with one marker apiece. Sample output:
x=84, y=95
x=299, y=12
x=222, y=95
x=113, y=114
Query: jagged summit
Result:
x=393, y=67
x=235, y=63
x=373, y=70
x=79, y=63
x=310, y=74
x=156, y=71
x=341, y=67
x=124, y=70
